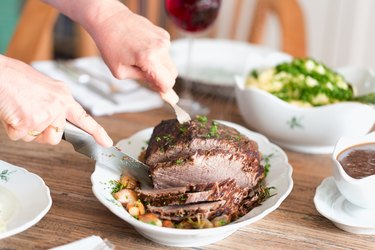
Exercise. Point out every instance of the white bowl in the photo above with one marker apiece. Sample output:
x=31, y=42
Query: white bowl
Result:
x=360, y=192
x=308, y=130
x=279, y=176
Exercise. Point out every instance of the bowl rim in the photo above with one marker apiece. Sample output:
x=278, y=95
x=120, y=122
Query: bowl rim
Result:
x=240, y=81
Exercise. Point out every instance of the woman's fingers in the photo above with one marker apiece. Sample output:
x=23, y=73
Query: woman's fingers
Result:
x=78, y=116
x=53, y=133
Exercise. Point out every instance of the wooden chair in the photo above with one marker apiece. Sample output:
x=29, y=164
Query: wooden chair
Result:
x=33, y=37
x=291, y=22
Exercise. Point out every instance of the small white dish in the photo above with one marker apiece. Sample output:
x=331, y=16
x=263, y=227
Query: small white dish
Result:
x=357, y=191
x=215, y=62
x=24, y=199
x=279, y=176
x=345, y=215
x=313, y=130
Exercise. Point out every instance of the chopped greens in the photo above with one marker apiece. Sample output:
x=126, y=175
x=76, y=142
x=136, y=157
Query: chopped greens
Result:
x=267, y=163
x=117, y=186
x=213, y=130
x=304, y=82
x=202, y=119
x=179, y=161
x=182, y=129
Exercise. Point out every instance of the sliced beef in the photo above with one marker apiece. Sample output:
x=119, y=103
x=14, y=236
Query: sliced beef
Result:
x=179, y=154
x=197, y=201
x=208, y=167
x=201, y=169
x=181, y=212
x=188, y=194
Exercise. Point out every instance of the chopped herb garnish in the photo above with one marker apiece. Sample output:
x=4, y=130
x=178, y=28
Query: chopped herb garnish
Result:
x=158, y=138
x=202, y=119
x=237, y=137
x=168, y=137
x=117, y=186
x=265, y=193
x=267, y=164
x=222, y=222
x=182, y=129
x=213, y=130
x=179, y=161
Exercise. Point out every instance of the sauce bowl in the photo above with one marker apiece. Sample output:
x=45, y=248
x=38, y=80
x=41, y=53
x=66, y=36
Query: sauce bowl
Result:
x=359, y=192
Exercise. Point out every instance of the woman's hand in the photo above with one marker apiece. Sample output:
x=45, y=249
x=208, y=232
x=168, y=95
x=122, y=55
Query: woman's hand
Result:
x=34, y=107
x=131, y=45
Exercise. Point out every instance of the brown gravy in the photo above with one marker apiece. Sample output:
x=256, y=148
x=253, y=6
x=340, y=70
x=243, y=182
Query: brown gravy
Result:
x=358, y=161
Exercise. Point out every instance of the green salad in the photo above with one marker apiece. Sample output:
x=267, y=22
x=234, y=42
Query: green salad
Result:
x=303, y=82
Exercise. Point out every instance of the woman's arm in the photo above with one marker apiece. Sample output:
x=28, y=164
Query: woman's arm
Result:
x=131, y=45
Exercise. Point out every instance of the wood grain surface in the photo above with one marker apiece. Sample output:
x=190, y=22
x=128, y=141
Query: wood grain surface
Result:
x=76, y=213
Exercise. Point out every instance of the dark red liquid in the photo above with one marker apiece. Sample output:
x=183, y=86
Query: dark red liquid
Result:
x=192, y=15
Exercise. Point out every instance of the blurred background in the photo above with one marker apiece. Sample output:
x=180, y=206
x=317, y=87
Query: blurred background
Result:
x=335, y=32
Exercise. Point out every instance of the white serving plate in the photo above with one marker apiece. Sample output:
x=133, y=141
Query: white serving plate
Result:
x=279, y=176
x=215, y=62
x=24, y=199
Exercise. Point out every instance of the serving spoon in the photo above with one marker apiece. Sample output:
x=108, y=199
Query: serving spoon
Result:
x=111, y=157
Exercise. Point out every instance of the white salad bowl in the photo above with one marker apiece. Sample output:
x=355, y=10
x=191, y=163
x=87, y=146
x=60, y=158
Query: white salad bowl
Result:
x=359, y=192
x=312, y=129
x=279, y=177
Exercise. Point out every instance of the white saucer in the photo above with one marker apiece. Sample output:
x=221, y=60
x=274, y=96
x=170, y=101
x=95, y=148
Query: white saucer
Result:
x=331, y=204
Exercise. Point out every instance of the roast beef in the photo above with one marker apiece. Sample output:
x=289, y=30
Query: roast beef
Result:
x=190, y=194
x=201, y=151
x=201, y=169
x=177, y=213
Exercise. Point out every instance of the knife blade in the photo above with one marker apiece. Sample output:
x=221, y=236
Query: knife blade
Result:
x=110, y=157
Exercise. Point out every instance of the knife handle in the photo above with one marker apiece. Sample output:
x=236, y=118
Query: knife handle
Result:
x=82, y=141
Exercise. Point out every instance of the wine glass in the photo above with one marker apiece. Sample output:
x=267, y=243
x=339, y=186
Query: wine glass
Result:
x=192, y=17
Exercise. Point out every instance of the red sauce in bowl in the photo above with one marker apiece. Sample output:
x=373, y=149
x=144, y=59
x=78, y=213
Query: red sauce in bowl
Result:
x=358, y=161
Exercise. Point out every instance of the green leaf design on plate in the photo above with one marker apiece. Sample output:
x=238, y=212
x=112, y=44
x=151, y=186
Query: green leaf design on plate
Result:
x=114, y=202
x=295, y=122
x=4, y=175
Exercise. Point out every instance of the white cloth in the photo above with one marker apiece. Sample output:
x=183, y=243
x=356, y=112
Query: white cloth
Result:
x=132, y=97
x=89, y=243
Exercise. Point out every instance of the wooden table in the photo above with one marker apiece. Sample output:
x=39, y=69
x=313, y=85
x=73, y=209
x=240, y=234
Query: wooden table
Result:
x=76, y=213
